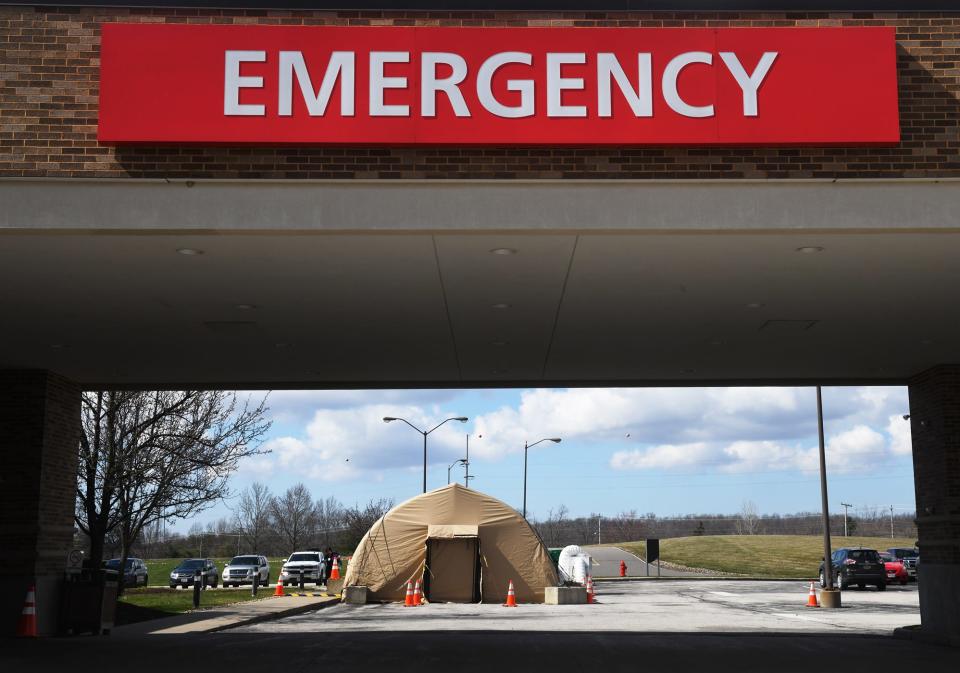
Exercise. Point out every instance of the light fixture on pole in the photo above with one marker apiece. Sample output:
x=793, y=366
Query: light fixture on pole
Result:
x=466, y=464
x=462, y=419
x=458, y=461
x=526, y=446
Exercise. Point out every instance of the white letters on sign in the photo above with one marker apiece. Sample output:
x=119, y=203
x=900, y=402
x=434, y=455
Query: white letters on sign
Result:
x=233, y=82
x=564, y=73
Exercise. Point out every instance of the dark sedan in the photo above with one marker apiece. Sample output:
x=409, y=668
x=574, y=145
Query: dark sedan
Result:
x=135, y=572
x=183, y=575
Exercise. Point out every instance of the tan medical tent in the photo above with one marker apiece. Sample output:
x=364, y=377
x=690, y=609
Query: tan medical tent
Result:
x=466, y=545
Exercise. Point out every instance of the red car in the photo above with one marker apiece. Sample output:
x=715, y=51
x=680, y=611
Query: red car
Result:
x=894, y=568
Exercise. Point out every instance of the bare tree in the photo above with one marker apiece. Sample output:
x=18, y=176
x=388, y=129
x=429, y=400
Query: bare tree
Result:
x=292, y=514
x=329, y=516
x=553, y=529
x=749, y=522
x=253, y=514
x=358, y=521
x=158, y=455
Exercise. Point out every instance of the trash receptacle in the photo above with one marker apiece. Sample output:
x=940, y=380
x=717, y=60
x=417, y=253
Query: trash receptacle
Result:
x=89, y=601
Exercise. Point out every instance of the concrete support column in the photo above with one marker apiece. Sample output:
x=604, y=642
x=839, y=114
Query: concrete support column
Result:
x=39, y=435
x=935, y=425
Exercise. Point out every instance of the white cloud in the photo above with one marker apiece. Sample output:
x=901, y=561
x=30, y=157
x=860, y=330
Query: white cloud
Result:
x=857, y=449
x=288, y=406
x=900, y=437
x=730, y=430
x=341, y=444
x=677, y=416
x=662, y=456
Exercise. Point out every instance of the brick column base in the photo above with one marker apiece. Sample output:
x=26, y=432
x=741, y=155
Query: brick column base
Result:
x=935, y=425
x=39, y=435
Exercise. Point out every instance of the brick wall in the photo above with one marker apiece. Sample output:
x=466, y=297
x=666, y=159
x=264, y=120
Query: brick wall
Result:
x=39, y=435
x=48, y=108
x=935, y=427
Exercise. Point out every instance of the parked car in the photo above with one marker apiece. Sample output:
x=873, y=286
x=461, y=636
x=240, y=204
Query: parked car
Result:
x=856, y=566
x=134, y=574
x=183, y=574
x=910, y=557
x=311, y=563
x=896, y=572
x=242, y=570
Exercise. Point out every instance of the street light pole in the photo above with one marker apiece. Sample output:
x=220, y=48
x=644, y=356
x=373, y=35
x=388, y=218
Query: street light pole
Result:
x=827, y=565
x=845, y=506
x=526, y=446
x=388, y=419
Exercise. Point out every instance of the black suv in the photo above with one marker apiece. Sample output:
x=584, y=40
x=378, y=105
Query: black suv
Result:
x=183, y=574
x=856, y=566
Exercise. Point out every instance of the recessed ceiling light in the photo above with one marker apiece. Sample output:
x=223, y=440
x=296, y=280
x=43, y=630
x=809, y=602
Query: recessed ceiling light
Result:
x=245, y=307
x=810, y=249
x=500, y=306
x=499, y=343
x=926, y=342
x=189, y=252
x=57, y=347
x=755, y=304
x=715, y=342
x=281, y=344
x=503, y=251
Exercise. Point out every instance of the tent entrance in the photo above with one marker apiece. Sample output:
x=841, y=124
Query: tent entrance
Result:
x=453, y=570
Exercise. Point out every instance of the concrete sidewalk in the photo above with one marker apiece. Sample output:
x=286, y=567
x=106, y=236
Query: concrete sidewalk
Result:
x=225, y=616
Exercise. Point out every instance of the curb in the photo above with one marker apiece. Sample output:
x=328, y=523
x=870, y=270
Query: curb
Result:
x=918, y=635
x=287, y=612
x=704, y=578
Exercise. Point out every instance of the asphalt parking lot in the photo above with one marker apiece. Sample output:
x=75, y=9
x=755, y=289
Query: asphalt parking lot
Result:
x=665, y=625
x=715, y=606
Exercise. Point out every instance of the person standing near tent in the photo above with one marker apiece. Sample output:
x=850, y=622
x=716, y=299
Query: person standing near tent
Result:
x=328, y=557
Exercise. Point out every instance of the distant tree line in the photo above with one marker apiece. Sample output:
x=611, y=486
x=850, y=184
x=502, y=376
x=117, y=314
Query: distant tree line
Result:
x=268, y=524
x=559, y=529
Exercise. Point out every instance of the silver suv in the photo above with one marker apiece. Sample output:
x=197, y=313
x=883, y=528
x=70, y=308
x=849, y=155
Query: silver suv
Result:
x=311, y=563
x=242, y=570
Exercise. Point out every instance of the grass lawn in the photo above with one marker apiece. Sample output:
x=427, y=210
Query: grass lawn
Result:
x=137, y=605
x=761, y=555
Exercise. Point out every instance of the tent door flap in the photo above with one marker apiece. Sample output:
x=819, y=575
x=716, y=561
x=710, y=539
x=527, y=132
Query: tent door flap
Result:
x=453, y=566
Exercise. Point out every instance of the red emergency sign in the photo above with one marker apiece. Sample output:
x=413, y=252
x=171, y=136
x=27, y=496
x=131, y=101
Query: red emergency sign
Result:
x=504, y=86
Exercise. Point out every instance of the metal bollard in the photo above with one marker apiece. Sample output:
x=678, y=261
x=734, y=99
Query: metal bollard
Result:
x=197, y=582
x=255, y=585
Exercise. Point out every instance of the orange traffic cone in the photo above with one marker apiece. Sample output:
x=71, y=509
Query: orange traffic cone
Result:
x=279, y=590
x=27, y=626
x=408, y=599
x=812, y=598
x=417, y=594
x=335, y=570
x=511, y=597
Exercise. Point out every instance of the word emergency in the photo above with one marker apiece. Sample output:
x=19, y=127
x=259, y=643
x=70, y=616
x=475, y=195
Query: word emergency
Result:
x=294, y=75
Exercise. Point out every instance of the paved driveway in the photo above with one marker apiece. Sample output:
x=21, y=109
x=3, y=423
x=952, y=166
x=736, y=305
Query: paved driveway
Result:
x=666, y=625
x=607, y=564
x=641, y=606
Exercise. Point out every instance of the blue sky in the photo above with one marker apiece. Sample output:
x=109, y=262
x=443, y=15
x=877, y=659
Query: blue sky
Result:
x=671, y=451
